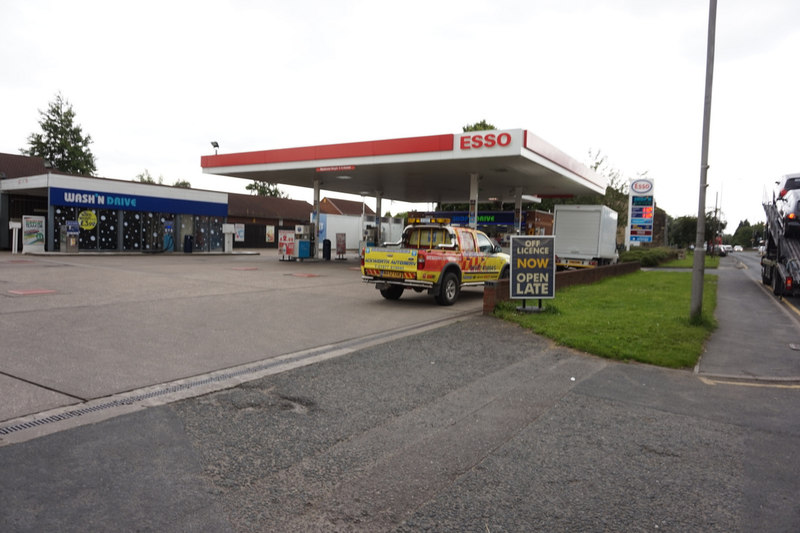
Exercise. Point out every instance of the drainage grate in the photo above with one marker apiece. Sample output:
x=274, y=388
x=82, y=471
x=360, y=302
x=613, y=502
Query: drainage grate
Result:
x=140, y=397
x=132, y=398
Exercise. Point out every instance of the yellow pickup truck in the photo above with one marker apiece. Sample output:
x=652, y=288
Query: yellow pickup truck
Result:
x=435, y=257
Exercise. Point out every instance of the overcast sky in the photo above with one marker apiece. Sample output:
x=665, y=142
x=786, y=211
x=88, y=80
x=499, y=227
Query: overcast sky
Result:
x=153, y=82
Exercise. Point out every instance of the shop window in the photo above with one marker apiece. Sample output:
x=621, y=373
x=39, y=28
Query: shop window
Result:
x=107, y=223
x=208, y=235
x=60, y=217
x=87, y=238
x=132, y=231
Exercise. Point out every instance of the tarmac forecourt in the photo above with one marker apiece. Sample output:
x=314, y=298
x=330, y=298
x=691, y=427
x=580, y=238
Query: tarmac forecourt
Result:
x=116, y=333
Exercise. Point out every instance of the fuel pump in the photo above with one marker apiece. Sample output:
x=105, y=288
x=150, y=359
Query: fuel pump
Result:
x=302, y=241
x=370, y=235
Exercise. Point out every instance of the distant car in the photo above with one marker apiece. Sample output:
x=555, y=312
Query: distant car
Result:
x=738, y=248
x=787, y=201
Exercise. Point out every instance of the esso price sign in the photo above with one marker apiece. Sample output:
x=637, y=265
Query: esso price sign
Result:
x=641, y=186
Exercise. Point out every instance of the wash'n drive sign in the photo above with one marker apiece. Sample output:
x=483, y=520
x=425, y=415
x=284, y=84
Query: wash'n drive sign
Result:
x=533, y=267
x=641, y=206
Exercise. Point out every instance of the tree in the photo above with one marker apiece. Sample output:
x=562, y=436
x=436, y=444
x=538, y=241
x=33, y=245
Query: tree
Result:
x=683, y=231
x=747, y=235
x=265, y=188
x=478, y=126
x=62, y=142
x=615, y=195
x=145, y=177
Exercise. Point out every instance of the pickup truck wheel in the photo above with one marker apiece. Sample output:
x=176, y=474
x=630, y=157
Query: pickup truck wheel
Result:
x=393, y=292
x=448, y=292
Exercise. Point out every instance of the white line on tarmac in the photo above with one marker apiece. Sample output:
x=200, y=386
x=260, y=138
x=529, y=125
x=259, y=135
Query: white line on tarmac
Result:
x=52, y=421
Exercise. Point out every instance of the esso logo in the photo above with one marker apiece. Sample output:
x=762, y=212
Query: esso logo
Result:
x=488, y=140
x=641, y=186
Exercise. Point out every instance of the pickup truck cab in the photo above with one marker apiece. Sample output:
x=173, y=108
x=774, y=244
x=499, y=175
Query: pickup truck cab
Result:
x=434, y=256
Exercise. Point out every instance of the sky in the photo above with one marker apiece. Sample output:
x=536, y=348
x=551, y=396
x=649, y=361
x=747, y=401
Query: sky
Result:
x=154, y=82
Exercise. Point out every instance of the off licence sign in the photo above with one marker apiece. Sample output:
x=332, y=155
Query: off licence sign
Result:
x=533, y=267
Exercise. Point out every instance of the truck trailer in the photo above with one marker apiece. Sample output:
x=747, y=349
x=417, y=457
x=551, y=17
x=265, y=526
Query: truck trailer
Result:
x=780, y=264
x=586, y=236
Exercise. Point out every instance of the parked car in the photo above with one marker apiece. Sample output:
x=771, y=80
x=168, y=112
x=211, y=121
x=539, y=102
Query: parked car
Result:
x=787, y=201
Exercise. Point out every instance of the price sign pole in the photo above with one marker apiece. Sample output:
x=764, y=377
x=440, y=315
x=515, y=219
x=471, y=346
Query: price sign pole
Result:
x=641, y=206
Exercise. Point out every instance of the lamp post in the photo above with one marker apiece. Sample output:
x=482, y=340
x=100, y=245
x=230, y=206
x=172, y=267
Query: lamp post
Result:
x=215, y=144
x=698, y=266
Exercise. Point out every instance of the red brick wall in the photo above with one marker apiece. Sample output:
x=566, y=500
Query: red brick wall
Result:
x=497, y=291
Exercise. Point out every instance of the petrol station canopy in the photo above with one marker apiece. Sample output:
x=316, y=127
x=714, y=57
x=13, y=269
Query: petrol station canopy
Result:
x=435, y=168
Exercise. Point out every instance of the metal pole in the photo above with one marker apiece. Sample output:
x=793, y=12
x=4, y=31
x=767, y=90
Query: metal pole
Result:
x=698, y=267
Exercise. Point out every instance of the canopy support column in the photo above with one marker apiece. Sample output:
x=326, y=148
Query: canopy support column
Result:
x=473, y=200
x=315, y=218
x=378, y=225
x=518, y=212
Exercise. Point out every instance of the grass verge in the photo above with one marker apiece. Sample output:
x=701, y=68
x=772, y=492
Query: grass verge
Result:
x=638, y=317
x=711, y=261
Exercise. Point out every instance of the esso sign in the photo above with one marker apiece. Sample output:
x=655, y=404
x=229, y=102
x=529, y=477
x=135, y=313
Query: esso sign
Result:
x=488, y=140
x=641, y=186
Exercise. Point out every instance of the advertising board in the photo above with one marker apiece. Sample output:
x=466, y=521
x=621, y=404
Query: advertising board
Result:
x=533, y=267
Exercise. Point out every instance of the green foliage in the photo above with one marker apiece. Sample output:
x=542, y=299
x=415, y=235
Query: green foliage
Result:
x=478, y=126
x=145, y=177
x=648, y=257
x=616, y=193
x=687, y=261
x=640, y=317
x=748, y=236
x=683, y=230
x=265, y=188
x=62, y=142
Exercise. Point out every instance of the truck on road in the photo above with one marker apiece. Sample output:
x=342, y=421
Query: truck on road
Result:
x=586, y=236
x=436, y=257
x=780, y=262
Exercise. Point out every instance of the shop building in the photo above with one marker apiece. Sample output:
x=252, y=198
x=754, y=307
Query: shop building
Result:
x=104, y=214
x=259, y=219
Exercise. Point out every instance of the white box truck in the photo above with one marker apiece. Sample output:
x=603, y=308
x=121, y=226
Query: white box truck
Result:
x=586, y=236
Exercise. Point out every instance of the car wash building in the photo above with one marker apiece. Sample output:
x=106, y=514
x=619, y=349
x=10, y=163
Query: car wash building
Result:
x=53, y=210
x=498, y=165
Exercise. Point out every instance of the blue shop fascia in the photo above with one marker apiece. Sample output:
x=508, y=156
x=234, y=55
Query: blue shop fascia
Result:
x=115, y=215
